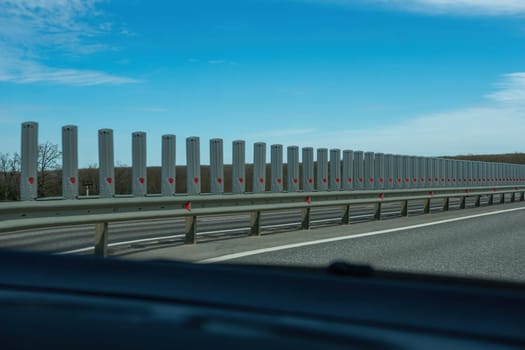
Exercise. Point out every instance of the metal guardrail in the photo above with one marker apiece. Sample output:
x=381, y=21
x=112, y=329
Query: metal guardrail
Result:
x=16, y=216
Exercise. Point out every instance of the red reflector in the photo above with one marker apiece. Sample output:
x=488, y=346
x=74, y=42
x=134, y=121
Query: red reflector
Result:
x=219, y=180
x=308, y=199
x=31, y=180
x=310, y=181
x=337, y=180
x=196, y=180
x=279, y=181
x=241, y=180
x=187, y=206
x=109, y=180
x=261, y=180
x=295, y=181
x=349, y=179
x=324, y=180
x=171, y=180
x=381, y=196
x=141, y=180
x=72, y=180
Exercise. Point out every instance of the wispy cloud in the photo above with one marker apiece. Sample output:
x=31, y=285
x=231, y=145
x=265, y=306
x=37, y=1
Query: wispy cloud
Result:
x=213, y=61
x=512, y=89
x=497, y=126
x=149, y=109
x=462, y=7
x=285, y=132
x=33, y=31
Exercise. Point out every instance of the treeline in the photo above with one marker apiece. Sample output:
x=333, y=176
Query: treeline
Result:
x=512, y=158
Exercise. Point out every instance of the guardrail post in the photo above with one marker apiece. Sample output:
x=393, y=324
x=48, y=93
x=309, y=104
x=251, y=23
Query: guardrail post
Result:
x=462, y=203
x=69, y=162
x=502, y=198
x=259, y=167
x=491, y=199
x=348, y=170
x=139, y=176
x=478, y=201
x=404, y=208
x=106, y=163
x=446, y=203
x=276, y=152
x=522, y=196
x=255, y=223
x=335, y=169
x=322, y=169
x=216, y=166
x=29, y=161
x=190, y=229
x=345, y=219
x=512, y=197
x=292, y=168
x=168, y=173
x=193, y=166
x=239, y=167
x=305, y=218
x=308, y=169
x=101, y=239
x=426, y=206
x=377, y=211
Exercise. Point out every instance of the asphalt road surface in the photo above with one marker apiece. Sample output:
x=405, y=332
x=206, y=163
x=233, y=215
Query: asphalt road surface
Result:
x=486, y=242
x=487, y=246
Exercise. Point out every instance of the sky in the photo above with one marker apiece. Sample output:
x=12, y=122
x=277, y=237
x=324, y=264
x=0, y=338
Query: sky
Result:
x=423, y=77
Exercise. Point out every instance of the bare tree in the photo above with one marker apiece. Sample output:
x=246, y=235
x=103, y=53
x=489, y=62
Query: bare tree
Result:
x=9, y=176
x=4, y=173
x=48, y=159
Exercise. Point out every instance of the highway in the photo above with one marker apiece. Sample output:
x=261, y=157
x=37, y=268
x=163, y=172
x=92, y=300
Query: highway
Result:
x=461, y=242
x=488, y=246
x=486, y=242
x=131, y=236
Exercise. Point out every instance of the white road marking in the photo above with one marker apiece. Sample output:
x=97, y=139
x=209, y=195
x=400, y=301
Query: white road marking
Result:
x=341, y=238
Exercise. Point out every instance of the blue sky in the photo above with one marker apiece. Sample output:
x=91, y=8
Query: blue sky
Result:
x=427, y=77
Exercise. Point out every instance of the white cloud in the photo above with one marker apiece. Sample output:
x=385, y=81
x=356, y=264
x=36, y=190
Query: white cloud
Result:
x=463, y=7
x=285, y=132
x=512, y=89
x=467, y=7
x=149, y=109
x=469, y=130
x=33, y=31
x=496, y=127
